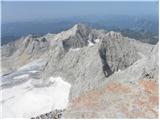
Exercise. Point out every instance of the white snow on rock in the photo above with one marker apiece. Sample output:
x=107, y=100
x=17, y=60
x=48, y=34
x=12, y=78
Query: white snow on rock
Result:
x=21, y=76
x=75, y=49
x=97, y=40
x=26, y=100
x=33, y=65
x=90, y=43
x=33, y=71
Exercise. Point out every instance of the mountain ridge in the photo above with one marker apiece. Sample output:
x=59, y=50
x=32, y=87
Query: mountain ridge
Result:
x=84, y=57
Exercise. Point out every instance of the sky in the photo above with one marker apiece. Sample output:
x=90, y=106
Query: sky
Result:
x=29, y=11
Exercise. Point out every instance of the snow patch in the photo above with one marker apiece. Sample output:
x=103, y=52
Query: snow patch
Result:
x=76, y=49
x=33, y=71
x=90, y=43
x=97, y=40
x=33, y=65
x=21, y=76
x=26, y=100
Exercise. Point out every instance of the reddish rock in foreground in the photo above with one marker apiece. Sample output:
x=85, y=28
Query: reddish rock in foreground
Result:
x=117, y=100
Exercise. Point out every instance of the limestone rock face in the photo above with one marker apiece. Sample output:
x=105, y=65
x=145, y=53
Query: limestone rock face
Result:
x=129, y=93
x=116, y=100
x=119, y=52
x=23, y=51
x=80, y=56
x=81, y=64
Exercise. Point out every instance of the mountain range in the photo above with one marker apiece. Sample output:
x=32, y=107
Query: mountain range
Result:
x=84, y=72
x=143, y=28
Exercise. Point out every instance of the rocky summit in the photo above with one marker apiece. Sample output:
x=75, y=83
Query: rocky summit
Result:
x=94, y=74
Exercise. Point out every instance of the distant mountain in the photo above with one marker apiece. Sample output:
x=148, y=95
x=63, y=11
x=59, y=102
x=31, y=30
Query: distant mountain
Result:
x=141, y=35
x=141, y=28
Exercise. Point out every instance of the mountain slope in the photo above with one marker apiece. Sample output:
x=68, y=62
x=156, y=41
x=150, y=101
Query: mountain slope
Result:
x=87, y=59
x=132, y=93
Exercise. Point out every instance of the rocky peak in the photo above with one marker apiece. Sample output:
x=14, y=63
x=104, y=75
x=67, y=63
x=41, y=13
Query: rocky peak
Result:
x=80, y=27
x=111, y=66
x=82, y=30
x=76, y=37
x=114, y=35
x=114, y=49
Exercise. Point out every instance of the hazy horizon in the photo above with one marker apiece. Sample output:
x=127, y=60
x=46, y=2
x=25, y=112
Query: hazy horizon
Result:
x=32, y=11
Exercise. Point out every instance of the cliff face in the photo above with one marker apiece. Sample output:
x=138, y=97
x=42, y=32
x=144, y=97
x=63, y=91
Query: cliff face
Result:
x=98, y=65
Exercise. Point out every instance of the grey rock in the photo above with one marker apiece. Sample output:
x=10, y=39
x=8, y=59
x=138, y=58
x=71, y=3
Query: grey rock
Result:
x=56, y=114
x=81, y=56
